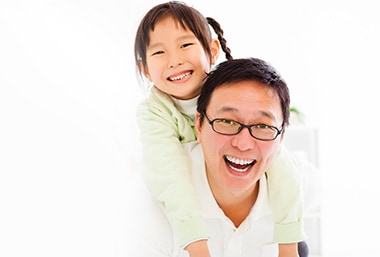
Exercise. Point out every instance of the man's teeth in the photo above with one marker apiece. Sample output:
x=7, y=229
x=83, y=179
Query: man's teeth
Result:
x=238, y=161
x=180, y=77
x=239, y=165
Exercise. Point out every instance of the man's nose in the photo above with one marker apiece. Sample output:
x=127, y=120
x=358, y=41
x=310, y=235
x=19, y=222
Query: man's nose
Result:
x=243, y=140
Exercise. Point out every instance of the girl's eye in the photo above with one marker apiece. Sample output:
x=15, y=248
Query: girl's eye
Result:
x=157, y=53
x=186, y=45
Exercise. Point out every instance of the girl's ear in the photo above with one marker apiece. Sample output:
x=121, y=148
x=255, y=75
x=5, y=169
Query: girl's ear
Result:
x=198, y=126
x=215, y=50
x=144, y=70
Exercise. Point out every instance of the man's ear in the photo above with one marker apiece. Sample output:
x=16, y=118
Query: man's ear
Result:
x=198, y=126
x=144, y=70
x=282, y=136
x=215, y=50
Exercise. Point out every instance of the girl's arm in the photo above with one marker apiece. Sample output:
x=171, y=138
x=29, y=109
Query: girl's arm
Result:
x=166, y=166
x=286, y=198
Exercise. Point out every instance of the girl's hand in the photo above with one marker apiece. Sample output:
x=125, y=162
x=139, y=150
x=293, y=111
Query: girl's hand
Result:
x=198, y=249
x=287, y=250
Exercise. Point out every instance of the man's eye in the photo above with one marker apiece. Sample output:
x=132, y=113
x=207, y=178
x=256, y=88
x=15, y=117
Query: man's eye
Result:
x=228, y=122
x=262, y=126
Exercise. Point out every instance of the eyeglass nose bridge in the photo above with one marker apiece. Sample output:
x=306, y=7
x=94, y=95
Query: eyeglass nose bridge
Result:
x=249, y=127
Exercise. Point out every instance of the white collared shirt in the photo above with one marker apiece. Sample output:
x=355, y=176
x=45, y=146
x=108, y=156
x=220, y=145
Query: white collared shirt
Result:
x=254, y=237
x=150, y=233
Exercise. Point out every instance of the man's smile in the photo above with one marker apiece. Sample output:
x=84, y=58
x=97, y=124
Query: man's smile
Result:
x=239, y=165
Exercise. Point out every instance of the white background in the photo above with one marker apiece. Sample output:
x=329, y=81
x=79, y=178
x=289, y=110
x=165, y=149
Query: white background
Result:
x=68, y=135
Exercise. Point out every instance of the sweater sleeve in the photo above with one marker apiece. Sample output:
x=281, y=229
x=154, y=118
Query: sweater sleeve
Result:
x=286, y=198
x=166, y=165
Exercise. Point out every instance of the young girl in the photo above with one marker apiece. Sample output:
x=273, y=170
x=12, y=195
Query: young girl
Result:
x=174, y=50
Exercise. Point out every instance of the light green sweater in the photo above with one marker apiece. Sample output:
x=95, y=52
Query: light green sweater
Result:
x=163, y=130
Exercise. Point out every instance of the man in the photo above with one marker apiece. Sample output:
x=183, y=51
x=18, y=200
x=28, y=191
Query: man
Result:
x=241, y=118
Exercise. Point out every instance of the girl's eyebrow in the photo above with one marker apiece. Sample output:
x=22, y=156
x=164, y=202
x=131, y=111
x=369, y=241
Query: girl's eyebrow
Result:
x=149, y=47
x=180, y=38
x=189, y=36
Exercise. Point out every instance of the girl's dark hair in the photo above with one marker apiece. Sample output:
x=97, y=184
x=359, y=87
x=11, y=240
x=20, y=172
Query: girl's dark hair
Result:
x=188, y=18
x=245, y=69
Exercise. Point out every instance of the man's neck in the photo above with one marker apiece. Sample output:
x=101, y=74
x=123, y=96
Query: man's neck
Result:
x=237, y=208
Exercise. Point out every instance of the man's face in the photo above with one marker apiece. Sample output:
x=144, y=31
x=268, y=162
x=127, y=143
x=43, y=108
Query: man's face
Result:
x=235, y=163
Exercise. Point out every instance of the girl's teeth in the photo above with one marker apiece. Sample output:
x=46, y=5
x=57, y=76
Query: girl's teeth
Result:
x=180, y=77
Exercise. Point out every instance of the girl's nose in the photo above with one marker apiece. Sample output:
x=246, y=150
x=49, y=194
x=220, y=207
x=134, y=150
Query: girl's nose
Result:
x=175, y=61
x=175, y=64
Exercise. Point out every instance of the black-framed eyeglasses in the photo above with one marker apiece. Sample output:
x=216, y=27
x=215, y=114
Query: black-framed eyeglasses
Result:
x=229, y=127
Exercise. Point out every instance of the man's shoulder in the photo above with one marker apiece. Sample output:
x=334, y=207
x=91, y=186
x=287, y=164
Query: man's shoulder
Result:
x=311, y=181
x=147, y=223
x=139, y=197
x=195, y=152
x=192, y=148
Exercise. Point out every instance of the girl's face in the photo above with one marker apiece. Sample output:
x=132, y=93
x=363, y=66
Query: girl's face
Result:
x=176, y=60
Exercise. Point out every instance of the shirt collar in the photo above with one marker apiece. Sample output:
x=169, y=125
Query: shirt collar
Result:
x=209, y=205
x=187, y=107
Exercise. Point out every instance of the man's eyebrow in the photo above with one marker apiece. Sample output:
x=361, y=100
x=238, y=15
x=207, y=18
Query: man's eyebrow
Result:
x=230, y=109
x=226, y=109
x=267, y=114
